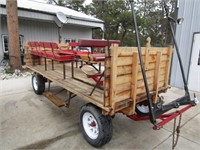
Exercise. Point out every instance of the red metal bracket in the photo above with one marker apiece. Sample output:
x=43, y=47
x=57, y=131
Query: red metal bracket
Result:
x=96, y=77
x=165, y=118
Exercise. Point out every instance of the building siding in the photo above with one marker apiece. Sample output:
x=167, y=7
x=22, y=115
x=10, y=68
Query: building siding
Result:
x=51, y=17
x=75, y=32
x=34, y=30
x=189, y=10
x=1, y=46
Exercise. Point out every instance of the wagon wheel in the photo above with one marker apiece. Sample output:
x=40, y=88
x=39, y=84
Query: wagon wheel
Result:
x=96, y=128
x=38, y=83
x=142, y=108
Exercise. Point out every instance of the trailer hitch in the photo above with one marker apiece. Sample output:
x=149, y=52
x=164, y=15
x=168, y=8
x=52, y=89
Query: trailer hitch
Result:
x=175, y=104
x=170, y=116
x=165, y=118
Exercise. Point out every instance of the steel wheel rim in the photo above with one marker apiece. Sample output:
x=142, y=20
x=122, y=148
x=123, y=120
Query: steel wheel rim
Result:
x=35, y=84
x=90, y=125
x=143, y=108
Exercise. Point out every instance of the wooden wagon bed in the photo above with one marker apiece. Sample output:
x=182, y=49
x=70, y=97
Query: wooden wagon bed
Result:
x=72, y=85
x=123, y=85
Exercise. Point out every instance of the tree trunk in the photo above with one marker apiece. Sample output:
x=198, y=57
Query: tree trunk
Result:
x=13, y=35
x=123, y=35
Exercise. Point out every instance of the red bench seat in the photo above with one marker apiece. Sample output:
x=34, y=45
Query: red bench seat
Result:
x=58, y=57
x=50, y=50
x=96, y=43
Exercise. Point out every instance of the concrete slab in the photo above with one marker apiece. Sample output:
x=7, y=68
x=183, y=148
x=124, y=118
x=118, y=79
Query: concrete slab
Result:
x=15, y=85
x=29, y=121
x=183, y=144
x=174, y=93
x=191, y=130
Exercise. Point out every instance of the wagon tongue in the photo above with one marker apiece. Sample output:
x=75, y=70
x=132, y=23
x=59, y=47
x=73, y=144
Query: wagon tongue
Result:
x=160, y=112
x=175, y=104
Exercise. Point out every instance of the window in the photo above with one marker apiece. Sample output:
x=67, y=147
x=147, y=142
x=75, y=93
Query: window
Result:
x=73, y=40
x=70, y=40
x=5, y=43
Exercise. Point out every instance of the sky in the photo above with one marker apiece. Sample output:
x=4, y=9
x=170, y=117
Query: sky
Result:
x=88, y=2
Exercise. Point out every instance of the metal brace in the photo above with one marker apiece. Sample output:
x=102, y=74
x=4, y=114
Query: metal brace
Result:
x=67, y=102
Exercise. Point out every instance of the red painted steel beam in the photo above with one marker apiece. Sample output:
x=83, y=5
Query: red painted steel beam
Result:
x=172, y=116
x=165, y=117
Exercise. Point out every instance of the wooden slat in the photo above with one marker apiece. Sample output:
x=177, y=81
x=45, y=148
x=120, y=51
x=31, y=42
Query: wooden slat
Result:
x=134, y=82
x=126, y=103
x=148, y=45
x=142, y=89
x=107, y=79
x=150, y=73
x=151, y=81
x=123, y=87
x=168, y=67
x=122, y=96
x=124, y=61
x=113, y=75
x=128, y=51
x=129, y=60
x=53, y=98
x=123, y=70
x=127, y=78
x=127, y=86
x=156, y=77
x=140, y=83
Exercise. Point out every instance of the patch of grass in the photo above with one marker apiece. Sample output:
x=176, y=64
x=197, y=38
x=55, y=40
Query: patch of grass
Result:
x=8, y=71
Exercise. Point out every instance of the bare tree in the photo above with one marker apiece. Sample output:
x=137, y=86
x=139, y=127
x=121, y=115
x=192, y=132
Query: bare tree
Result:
x=13, y=35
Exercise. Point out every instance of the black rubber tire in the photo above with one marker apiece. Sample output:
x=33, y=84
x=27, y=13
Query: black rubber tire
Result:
x=40, y=83
x=104, y=124
x=140, y=113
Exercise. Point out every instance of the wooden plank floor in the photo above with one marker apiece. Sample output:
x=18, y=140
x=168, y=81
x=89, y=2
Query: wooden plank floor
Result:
x=79, y=88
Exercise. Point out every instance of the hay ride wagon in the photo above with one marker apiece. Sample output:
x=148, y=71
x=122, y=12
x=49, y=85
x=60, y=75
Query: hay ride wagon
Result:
x=117, y=86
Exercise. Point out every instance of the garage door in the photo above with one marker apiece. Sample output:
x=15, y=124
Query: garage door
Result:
x=194, y=73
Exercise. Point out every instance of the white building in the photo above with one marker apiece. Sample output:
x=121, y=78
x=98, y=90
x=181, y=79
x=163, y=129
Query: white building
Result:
x=188, y=40
x=37, y=23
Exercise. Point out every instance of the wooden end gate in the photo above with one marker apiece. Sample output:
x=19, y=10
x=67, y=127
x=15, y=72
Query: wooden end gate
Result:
x=124, y=85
